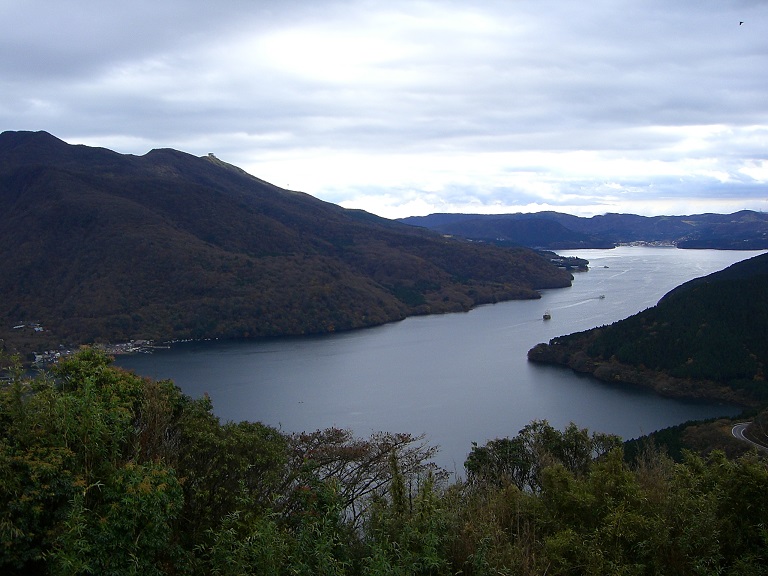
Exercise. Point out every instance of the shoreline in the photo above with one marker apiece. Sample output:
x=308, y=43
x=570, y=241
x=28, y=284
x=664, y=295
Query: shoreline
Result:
x=618, y=374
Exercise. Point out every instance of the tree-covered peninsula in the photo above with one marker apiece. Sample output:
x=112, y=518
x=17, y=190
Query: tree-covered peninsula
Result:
x=705, y=339
x=105, y=472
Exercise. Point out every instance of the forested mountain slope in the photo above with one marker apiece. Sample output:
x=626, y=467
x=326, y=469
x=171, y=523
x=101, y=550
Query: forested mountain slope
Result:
x=705, y=339
x=99, y=245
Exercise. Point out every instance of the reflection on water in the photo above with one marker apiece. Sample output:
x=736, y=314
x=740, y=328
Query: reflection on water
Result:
x=458, y=378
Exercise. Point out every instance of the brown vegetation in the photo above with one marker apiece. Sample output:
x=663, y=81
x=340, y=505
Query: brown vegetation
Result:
x=101, y=246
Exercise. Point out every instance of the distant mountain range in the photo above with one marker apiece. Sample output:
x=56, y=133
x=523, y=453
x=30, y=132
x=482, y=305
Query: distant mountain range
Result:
x=745, y=230
x=96, y=245
x=705, y=339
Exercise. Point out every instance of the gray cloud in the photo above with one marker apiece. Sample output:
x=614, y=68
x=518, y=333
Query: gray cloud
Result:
x=410, y=107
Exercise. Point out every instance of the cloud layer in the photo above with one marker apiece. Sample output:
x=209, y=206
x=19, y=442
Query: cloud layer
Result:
x=406, y=108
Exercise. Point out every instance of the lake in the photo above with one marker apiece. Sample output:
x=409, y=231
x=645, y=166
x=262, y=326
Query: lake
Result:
x=457, y=378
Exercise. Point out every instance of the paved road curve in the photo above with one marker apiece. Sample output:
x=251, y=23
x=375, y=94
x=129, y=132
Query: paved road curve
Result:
x=738, y=432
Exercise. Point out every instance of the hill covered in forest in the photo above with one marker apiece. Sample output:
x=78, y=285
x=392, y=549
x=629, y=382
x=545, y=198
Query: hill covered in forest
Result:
x=704, y=339
x=97, y=245
x=745, y=230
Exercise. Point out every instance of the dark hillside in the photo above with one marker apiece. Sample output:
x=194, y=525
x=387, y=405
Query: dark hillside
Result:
x=746, y=270
x=97, y=245
x=705, y=339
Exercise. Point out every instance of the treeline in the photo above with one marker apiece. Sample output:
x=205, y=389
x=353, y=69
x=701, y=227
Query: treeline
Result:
x=105, y=472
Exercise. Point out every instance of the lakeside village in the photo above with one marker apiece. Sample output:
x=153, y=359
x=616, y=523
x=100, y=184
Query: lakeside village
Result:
x=133, y=347
x=570, y=263
x=48, y=357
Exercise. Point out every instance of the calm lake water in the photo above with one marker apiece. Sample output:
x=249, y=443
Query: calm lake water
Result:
x=458, y=378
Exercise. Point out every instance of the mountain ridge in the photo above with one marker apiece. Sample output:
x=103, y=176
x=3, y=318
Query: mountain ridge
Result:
x=742, y=230
x=101, y=246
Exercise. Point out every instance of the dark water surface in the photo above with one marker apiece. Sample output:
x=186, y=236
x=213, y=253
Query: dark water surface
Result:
x=458, y=378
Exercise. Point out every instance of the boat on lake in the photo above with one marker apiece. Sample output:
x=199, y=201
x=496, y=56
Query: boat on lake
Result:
x=547, y=315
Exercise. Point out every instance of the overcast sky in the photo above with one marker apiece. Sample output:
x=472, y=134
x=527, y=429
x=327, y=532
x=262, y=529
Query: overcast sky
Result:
x=412, y=107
